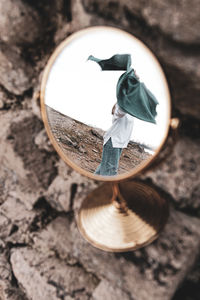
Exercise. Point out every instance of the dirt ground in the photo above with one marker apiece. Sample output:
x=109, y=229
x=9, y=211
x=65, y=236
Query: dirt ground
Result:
x=83, y=144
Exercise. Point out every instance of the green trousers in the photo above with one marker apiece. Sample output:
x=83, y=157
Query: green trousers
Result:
x=110, y=160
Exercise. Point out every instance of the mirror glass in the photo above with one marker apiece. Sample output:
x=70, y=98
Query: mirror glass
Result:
x=105, y=102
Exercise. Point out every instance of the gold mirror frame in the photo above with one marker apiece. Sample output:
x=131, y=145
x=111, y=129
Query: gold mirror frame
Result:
x=117, y=216
x=120, y=177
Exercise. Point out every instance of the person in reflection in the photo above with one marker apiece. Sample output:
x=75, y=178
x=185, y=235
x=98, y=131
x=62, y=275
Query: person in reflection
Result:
x=115, y=139
x=134, y=99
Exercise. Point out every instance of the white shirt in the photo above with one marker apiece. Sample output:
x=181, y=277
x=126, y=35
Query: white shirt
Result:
x=121, y=129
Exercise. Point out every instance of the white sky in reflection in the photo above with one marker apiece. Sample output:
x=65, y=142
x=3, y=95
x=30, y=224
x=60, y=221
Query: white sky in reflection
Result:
x=79, y=89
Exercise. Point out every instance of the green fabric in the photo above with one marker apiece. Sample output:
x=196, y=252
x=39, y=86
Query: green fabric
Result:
x=132, y=95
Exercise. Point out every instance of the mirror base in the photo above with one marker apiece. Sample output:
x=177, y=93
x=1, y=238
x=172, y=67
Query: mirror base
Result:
x=122, y=217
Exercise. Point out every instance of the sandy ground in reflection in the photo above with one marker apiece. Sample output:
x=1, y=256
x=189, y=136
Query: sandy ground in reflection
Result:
x=83, y=144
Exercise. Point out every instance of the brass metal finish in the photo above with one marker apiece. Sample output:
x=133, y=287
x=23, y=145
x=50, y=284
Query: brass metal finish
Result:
x=174, y=123
x=122, y=217
x=119, y=215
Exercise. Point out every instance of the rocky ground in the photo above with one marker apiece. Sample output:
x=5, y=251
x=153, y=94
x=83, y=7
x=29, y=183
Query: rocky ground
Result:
x=83, y=144
x=42, y=255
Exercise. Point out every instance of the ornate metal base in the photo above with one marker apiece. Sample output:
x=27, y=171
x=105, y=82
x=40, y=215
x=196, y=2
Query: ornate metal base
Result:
x=122, y=217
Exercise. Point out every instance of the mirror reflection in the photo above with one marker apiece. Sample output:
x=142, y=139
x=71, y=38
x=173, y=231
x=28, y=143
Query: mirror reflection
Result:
x=107, y=101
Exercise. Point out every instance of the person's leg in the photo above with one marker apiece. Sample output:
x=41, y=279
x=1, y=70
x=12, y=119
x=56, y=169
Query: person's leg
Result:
x=110, y=160
x=98, y=170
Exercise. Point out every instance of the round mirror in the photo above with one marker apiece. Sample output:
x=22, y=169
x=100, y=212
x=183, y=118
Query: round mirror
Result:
x=105, y=103
x=106, y=107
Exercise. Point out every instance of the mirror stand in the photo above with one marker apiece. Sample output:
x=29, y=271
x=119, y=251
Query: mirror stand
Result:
x=121, y=217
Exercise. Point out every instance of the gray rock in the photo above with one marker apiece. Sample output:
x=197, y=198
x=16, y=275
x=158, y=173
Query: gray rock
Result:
x=5, y=226
x=6, y=100
x=189, y=289
x=19, y=219
x=43, y=142
x=29, y=278
x=94, y=150
x=25, y=23
x=8, y=289
x=98, y=133
x=57, y=237
x=82, y=150
x=5, y=270
x=67, y=141
x=157, y=269
x=156, y=14
x=15, y=211
x=59, y=194
x=179, y=173
x=2, y=288
x=15, y=73
x=62, y=190
x=105, y=290
x=8, y=292
x=47, y=277
x=1, y=104
x=167, y=260
x=39, y=163
x=17, y=179
x=14, y=19
x=78, y=19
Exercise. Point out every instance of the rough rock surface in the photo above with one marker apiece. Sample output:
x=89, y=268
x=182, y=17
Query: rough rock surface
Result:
x=42, y=254
x=162, y=272
x=179, y=12
x=21, y=45
x=15, y=73
x=56, y=278
x=179, y=175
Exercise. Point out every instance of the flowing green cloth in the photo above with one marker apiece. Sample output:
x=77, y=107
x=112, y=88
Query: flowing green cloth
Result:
x=132, y=95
